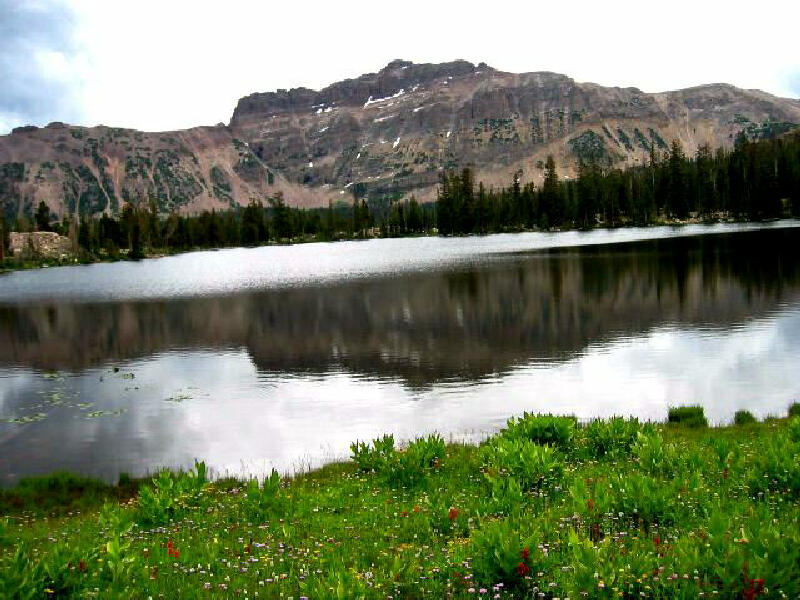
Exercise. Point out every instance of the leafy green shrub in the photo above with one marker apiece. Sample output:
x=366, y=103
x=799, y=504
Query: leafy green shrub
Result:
x=654, y=457
x=426, y=452
x=614, y=437
x=688, y=416
x=541, y=429
x=410, y=467
x=744, y=417
x=726, y=450
x=794, y=429
x=776, y=469
x=507, y=494
x=502, y=554
x=260, y=501
x=400, y=468
x=22, y=577
x=532, y=465
x=374, y=457
x=4, y=531
x=171, y=495
x=794, y=409
x=645, y=500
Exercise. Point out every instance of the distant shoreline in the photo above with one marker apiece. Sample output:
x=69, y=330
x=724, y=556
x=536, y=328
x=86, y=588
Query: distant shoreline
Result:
x=12, y=265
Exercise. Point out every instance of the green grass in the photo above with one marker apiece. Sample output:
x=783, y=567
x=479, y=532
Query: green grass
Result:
x=610, y=509
x=61, y=493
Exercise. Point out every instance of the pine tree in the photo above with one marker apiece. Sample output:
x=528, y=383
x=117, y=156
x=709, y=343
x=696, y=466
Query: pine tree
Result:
x=678, y=205
x=42, y=217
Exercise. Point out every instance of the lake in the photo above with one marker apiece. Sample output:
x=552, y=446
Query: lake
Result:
x=281, y=356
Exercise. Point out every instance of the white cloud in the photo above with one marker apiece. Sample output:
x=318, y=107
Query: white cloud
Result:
x=165, y=65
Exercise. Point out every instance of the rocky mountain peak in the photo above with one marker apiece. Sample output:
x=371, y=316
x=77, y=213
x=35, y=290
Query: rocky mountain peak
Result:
x=382, y=135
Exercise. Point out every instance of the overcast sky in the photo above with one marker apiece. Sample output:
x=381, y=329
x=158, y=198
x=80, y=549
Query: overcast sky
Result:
x=171, y=64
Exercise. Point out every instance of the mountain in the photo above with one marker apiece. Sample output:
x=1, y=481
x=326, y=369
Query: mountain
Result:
x=385, y=134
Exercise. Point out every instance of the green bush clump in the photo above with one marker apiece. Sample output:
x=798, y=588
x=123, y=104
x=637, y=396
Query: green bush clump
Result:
x=400, y=468
x=776, y=468
x=263, y=500
x=794, y=409
x=794, y=429
x=534, y=466
x=655, y=457
x=744, y=417
x=502, y=554
x=614, y=437
x=421, y=457
x=373, y=457
x=171, y=495
x=541, y=429
x=506, y=493
x=688, y=416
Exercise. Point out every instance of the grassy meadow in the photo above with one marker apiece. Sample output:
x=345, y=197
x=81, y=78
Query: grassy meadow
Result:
x=546, y=508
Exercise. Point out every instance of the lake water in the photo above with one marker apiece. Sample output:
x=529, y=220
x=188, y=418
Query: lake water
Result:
x=281, y=356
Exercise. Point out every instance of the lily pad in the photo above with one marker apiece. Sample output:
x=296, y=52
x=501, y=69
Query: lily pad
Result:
x=96, y=414
x=26, y=419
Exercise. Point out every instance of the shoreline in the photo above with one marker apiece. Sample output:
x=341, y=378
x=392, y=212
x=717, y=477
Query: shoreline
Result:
x=31, y=265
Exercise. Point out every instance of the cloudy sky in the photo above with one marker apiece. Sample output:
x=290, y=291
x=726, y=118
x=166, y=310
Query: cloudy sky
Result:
x=170, y=64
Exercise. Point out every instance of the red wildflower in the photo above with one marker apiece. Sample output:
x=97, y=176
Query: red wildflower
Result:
x=453, y=513
x=590, y=505
x=657, y=541
x=416, y=508
x=82, y=566
x=523, y=569
x=755, y=587
x=525, y=554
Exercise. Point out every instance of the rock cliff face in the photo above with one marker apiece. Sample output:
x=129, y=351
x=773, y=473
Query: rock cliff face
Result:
x=382, y=134
x=99, y=169
x=47, y=244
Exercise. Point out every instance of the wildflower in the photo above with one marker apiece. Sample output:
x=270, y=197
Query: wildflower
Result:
x=657, y=541
x=523, y=569
x=525, y=554
x=81, y=566
x=590, y=505
x=453, y=513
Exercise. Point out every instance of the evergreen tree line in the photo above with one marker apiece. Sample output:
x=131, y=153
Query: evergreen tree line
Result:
x=753, y=181
x=138, y=230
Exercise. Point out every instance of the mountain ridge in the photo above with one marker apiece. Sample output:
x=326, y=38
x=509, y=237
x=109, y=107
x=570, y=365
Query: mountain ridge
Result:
x=380, y=135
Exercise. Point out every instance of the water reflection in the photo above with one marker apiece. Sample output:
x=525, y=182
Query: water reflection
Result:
x=425, y=327
x=267, y=378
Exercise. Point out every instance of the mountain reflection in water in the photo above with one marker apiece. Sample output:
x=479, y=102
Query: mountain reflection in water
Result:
x=276, y=375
